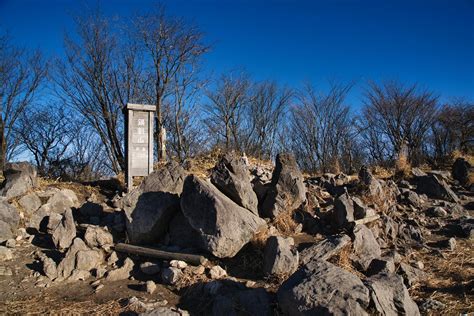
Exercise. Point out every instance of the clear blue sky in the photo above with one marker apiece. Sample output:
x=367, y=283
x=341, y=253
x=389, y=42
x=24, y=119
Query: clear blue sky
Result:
x=429, y=42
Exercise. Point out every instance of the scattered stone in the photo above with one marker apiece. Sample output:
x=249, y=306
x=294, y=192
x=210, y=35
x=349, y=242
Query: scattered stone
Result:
x=390, y=296
x=79, y=275
x=224, y=226
x=150, y=287
x=287, y=190
x=343, y=210
x=30, y=203
x=431, y=304
x=65, y=231
x=320, y=287
x=411, y=275
x=178, y=264
x=87, y=260
x=451, y=244
x=216, y=272
x=20, y=177
x=5, y=254
x=150, y=206
x=67, y=265
x=171, y=275
x=10, y=243
x=280, y=256
x=373, y=185
x=62, y=201
x=150, y=268
x=121, y=273
x=324, y=249
x=5, y=271
x=98, y=237
x=412, y=198
x=112, y=259
x=437, y=211
x=365, y=247
x=50, y=268
x=199, y=270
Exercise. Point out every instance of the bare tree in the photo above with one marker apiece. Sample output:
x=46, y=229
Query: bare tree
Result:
x=21, y=77
x=320, y=127
x=171, y=45
x=395, y=114
x=98, y=78
x=225, y=109
x=264, y=118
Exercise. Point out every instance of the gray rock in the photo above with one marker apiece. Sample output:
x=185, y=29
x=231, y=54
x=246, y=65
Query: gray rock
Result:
x=411, y=198
x=360, y=209
x=86, y=260
x=50, y=268
x=437, y=211
x=321, y=288
x=121, y=273
x=365, y=247
x=20, y=177
x=53, y=220
x=435, y=187
x=166, y=311
x=343, y=212
x=231, y=176
x=182, y=234
x=280, y=256
x=150, y=268
x=171, y=275
x=30, y=203
x=460, y=171
x=150, y=287
x=65, y=231
x=91, y=209
x=224, y=226
x=150, y=207
x=68, y=264
x=324, y=249
x=373, y=185
x=5, y=254
x=383, y=265
x=287, y=190
x=411, y=275
x=62, y=201
x=431, y=304
x=98, y=237
x=242, y=302
x=390, y=296
x=9, y=220
x=216, y=272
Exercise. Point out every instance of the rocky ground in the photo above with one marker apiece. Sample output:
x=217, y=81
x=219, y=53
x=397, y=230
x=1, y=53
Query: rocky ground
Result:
x=274, y=242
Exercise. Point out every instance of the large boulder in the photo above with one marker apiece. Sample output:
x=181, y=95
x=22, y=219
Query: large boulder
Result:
x=20, y=177
x=390, y=296
x=280, y=257
x=65, y=231
x=232, y=177
x=182, y=234
x=68, y=264
x=287, y=191
x=435, y=187
x=324, y=249
x=343, y=213
x=9, y=219
x=150, y=206
x=460, y=171
x=365, y=246
x=224, y=226
x=321, y=288
x=30, y=203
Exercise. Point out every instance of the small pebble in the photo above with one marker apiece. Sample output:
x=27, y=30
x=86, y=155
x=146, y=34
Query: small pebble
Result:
x=150, y=287
x=217, y=272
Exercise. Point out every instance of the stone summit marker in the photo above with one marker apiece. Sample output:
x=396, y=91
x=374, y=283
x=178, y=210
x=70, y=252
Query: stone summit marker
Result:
x=138, y=141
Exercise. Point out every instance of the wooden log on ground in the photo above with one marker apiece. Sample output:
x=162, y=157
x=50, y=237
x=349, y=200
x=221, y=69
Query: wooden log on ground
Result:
x=160, y=254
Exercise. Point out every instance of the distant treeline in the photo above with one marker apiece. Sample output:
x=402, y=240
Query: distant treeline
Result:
x=67, y=113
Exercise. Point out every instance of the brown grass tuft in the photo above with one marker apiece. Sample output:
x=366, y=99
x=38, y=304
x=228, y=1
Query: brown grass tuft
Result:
x=402, y=167
x=285, y=223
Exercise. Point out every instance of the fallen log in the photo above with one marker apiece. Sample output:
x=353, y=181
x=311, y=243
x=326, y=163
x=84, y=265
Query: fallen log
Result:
x=160, y=254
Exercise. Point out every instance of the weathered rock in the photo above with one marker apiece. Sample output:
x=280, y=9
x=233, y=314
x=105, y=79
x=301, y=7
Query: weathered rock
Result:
x=121, y=273
x=231, y=176
x=410, y=274
x=79, y=275
x=63, y=200
x=242, y=302
x=166, y=311
x=30, y=203
x=343, y=210
x=171, y=275
x=390, y=296
x=91, y=209
x=373, y=185
x=280, y=256
x=178, y=264
x=321, y=288
x=65, y=231
x=287, y=190
x=20, y=177
x=53, y=221
x=431, y=304
x=87, y=260
x=383, y=265
x=49, y=267
x=9, y=219
x=150, y=207
x=182, y=234
x=437, y=211
x=216, y=272
x=324, y=249
x=150, y=287
x=224, y=226
x=460, y=170
x=365, y=246
x=411, y=198
x=435, y=187
x=5, y=254
x=98, y=237
x=150, y=268
x=68, y=264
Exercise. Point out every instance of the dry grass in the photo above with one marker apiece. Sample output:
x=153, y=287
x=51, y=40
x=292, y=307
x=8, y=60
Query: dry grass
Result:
x=259, y=239
x=402, y=167
x=450, y=279
x=342, y=259
x=285, y=223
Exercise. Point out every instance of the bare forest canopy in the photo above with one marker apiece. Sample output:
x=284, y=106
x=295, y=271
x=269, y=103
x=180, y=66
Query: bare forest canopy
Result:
x=157, y=59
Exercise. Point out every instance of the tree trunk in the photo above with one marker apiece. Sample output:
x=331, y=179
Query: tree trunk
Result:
x=160, y=143
x=3, y=145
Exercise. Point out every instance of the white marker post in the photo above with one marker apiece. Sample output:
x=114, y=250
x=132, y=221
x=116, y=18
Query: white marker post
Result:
x=138, y=141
